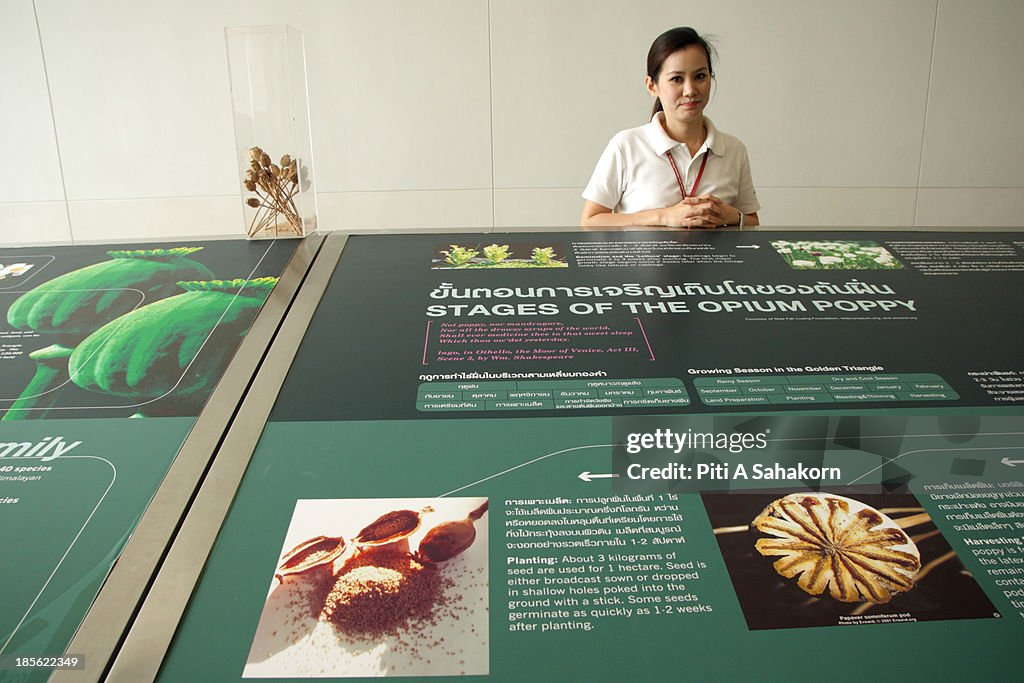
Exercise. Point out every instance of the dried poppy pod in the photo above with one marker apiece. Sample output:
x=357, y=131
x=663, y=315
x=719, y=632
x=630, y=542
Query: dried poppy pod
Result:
x=390, y=528
x=833, y=543
x=449, y=539
x=319, y=551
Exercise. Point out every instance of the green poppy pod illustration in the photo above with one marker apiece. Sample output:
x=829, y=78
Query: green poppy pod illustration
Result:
x=80, y=302
x=76, y=304
x=154, y=351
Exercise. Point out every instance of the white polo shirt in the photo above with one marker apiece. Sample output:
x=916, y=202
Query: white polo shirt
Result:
x=633, y=174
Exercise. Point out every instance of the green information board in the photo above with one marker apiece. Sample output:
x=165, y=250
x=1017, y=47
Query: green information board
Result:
x=636, y=456
x=67, y=516
x=90, y=337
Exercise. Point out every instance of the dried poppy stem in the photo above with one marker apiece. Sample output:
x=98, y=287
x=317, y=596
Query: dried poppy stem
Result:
x=731, y=529
x=275, y=187
x=935, y=563
x=924, y=536
x=479, y=512
x=861, y=609
x=913, y=520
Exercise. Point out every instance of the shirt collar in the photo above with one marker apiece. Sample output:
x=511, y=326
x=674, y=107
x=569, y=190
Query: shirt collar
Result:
x=662, y=143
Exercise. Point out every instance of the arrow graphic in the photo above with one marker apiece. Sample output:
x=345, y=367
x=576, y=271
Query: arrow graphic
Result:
x=1011, y=463
x=587, y=476
x=748, y=246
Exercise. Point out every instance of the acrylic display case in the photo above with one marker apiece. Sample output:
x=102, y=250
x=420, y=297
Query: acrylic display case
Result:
x=267, y=67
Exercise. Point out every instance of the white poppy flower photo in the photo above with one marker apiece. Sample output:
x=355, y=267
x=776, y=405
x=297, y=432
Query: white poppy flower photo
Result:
x=836, y=255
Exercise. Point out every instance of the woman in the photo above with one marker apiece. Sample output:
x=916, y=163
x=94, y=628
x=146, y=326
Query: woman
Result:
x=678, y=171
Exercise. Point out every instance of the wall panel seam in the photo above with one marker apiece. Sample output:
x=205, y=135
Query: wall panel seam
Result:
x=53, y=121
x=490, y=111
x=927, y=101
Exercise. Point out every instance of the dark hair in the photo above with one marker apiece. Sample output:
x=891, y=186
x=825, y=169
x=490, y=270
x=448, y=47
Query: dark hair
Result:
x=668, y=43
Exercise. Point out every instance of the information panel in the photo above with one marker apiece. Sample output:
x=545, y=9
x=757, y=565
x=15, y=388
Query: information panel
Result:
x=640, y=456
x=92, y=336
x=549, y=323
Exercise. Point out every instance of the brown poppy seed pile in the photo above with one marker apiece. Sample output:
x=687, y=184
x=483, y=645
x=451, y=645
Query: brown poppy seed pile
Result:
x=378, y=604
x=423, y=623
x=378, y=592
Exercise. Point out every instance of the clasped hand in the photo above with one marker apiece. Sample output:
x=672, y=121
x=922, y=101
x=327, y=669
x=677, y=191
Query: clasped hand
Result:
x=703, y=211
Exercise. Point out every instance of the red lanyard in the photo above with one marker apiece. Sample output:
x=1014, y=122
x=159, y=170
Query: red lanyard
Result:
x=679, y=178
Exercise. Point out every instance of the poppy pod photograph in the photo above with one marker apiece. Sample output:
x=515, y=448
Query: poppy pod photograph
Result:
x=377, y=587
x=840, y=558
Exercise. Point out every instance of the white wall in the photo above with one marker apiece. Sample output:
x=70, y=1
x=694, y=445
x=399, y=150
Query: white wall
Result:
x=115, y=116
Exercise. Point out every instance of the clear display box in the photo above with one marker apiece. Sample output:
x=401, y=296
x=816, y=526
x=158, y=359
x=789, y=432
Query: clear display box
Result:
x=267, y=66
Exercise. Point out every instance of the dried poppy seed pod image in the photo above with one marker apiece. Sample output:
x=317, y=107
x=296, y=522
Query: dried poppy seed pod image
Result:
x=393, y=527
x=448, y=539
x=838, y=546
x=360, y=588
x=849, y=556
x=315, y=553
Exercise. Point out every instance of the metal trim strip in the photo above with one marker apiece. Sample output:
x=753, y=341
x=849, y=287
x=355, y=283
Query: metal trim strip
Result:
x=149, y=637
x=111, y=613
